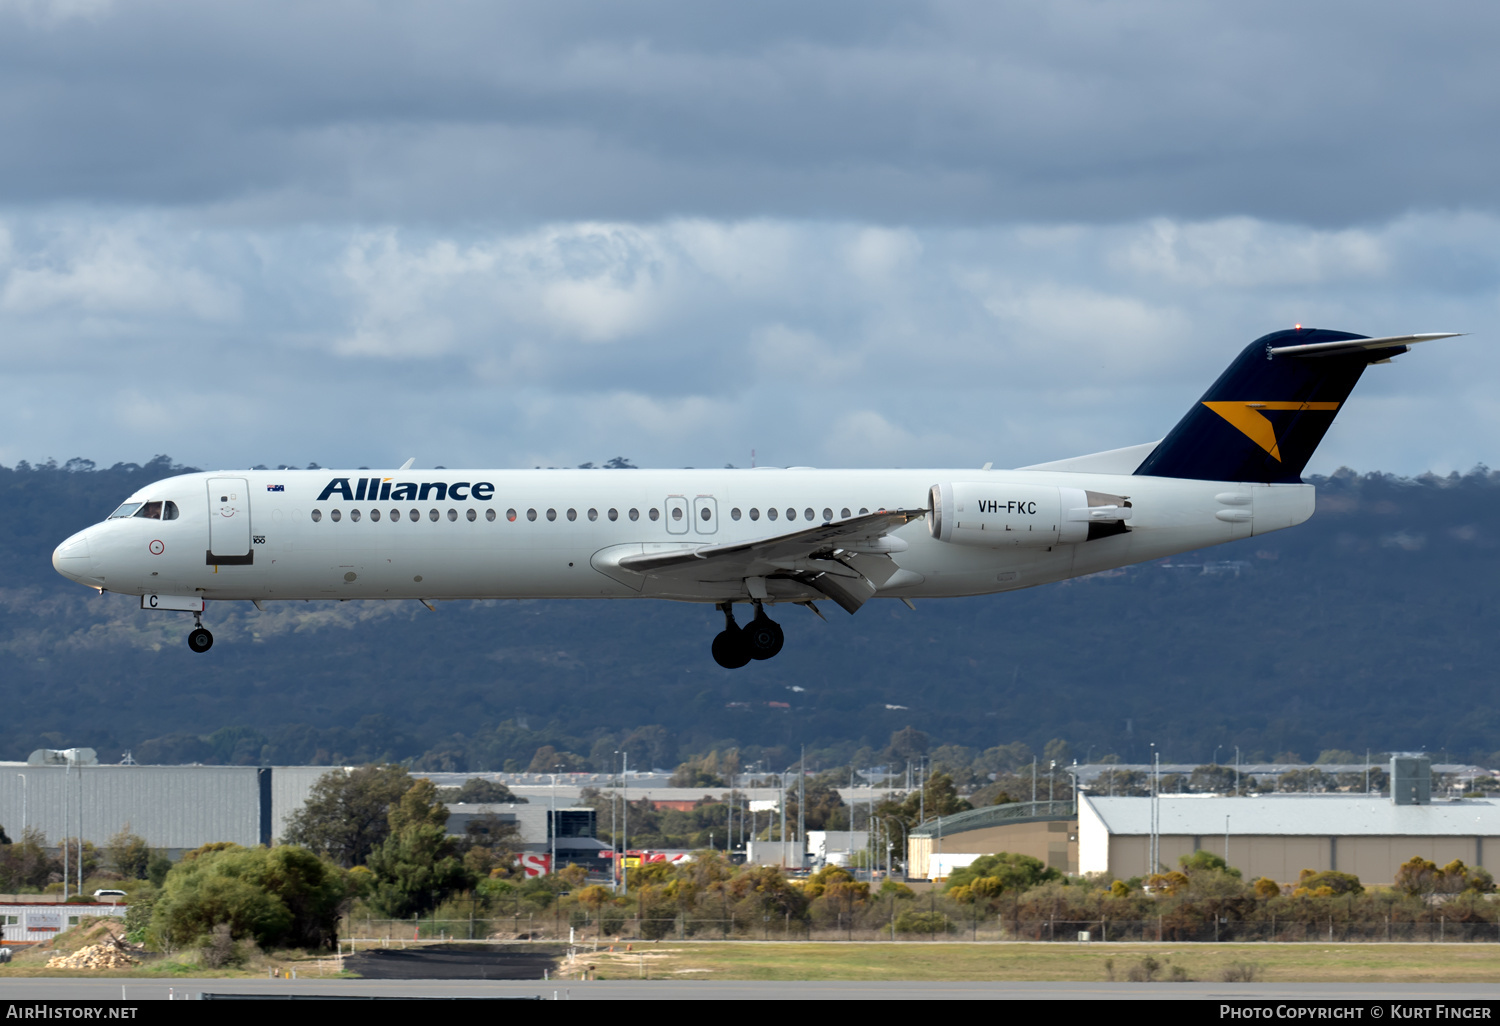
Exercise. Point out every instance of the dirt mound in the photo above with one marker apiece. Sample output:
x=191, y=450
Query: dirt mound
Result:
x=103, y=930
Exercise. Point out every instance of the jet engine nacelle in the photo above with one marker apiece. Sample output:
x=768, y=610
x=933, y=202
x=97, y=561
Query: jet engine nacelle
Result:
x=998, y=515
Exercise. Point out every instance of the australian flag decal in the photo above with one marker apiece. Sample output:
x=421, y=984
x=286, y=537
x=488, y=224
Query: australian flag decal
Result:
x=275, y=488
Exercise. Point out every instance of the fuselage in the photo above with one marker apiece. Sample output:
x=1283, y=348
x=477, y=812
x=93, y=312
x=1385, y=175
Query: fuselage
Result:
x=495, y=534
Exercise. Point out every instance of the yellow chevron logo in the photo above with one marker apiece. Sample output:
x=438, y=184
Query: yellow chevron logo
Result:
x=1248, y=419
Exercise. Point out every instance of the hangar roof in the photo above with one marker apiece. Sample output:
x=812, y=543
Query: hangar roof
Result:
x=1320, y=815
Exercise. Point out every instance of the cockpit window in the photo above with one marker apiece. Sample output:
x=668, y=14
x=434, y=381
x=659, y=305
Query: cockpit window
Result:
x=169, y=511
x=150, y=510
x=124, y=511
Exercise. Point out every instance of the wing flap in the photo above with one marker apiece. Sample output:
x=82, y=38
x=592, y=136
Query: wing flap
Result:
x=815, y=557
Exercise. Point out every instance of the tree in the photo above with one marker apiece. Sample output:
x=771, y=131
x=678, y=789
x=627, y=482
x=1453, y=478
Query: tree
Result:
x=418, y=865
x=25, y=865
x=549, y=760
x=1202, y=861
x=127, y=854
x=1008, y=871
x=909, y=744
x=1329, y=882
x=346, y=815
x=478, y=791
x=284, y=895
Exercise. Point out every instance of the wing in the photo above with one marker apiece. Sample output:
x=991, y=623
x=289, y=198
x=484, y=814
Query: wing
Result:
x=846, y=560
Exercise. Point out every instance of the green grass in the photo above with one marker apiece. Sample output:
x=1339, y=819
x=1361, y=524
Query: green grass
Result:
x=1385, y=963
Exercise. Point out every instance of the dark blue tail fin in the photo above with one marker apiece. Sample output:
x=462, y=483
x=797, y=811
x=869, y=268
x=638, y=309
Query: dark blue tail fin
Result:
x=1266, y=414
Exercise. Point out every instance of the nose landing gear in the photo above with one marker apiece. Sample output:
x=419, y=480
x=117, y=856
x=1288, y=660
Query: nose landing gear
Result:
x=735, y=646
x=199, y=639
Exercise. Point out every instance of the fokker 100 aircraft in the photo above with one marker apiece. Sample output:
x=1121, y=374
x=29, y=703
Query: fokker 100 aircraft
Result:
x=1231, y=468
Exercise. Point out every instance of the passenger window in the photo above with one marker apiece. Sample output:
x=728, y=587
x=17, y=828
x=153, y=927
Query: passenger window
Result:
x=635, y=514
x=531, y=514
x=771, y=513
x=354, y=515
x=808, y=514
x=472, y=515
x=452, y=515
x=150, y=510
x=614, y=514
x=844, y=513
x=552, y=514
x=510, y=515
x=754, y=513
x=863, y=511
x=593, y=514
x=572, y=515
x=676, y=513
x=432, y=515
x=653, y=514
x=169, y=511
x=336, y=516
x=317, y=515
x=827, y=515
x=734, y=514
x=705, y=514
x=791, y=514
x=395, y=516
x=374, y=516
x=489, y=515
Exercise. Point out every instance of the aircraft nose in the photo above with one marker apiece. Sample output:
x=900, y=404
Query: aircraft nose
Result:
x=72, y=560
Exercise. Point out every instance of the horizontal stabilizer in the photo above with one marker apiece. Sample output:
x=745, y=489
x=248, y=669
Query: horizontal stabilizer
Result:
x=1356, y=344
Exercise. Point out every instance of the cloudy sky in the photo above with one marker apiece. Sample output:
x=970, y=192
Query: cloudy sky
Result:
x=838, y=234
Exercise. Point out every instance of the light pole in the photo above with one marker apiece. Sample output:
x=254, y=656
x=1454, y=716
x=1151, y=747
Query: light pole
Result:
x=905, y=854
x=26, y=789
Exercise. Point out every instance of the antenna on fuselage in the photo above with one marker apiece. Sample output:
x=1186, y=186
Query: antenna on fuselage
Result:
x=407, y=464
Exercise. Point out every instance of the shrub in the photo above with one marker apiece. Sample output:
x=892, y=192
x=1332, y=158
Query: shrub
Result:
x=912, y=921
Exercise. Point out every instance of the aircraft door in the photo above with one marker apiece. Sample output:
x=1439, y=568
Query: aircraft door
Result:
x=705, y=514
x=229, y=522
x=677, y=515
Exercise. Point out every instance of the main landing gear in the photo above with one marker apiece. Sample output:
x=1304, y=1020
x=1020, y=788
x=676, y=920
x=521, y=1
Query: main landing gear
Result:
x=735, y=646
x=199, y=640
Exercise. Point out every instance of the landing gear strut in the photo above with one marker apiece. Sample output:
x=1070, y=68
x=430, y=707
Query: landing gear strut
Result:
x=763, y=634
x=735, y=646
x=199, y=640
x=731, y=647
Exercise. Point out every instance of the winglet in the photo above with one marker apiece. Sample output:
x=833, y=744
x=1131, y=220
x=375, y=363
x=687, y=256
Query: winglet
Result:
x=407, y=464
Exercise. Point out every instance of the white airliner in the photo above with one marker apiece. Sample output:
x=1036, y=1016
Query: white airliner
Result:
x=1231, y=468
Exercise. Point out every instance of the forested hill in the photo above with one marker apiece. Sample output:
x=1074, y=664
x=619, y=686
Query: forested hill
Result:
x=1371, y=626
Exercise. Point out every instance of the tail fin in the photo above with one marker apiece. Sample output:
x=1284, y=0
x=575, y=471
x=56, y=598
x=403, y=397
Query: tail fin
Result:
x=1266, y=414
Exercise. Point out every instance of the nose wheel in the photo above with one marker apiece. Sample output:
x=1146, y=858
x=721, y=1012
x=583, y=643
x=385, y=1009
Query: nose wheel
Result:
x=199, y=639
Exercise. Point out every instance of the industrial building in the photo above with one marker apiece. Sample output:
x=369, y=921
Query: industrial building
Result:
x=173, y=807
x=179, y=808
x=575, y=831
x=1044, y=830
x=1275, y=836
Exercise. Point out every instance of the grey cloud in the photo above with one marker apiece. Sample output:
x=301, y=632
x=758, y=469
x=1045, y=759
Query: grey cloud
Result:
x=942, y=113
x=690, y=342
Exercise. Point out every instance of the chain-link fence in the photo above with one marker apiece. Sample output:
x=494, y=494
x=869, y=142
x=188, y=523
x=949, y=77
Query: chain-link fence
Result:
x=907, y=925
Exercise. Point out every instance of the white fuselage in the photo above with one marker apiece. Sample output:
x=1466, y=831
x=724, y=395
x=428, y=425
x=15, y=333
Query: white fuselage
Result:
x=310, y=540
